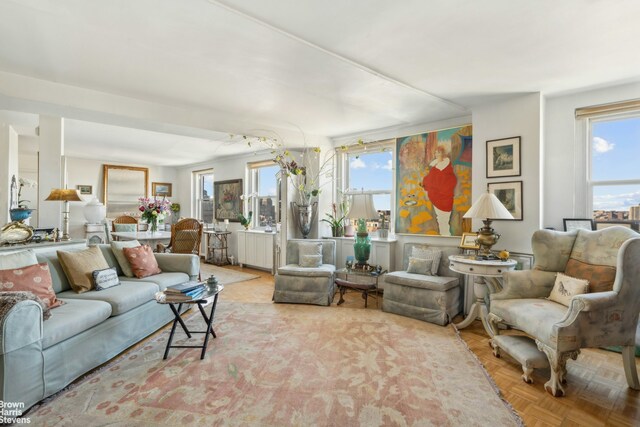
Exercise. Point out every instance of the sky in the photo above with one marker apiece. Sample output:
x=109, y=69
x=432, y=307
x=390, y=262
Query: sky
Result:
x=615, y=152
x=373, y=171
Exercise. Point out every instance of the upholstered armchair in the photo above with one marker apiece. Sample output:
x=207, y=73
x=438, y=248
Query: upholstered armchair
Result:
x=606, y=316
x=308, y=276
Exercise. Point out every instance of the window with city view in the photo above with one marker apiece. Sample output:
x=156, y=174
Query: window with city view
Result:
x=204, y=196
x=267, y=199
x=614, y=178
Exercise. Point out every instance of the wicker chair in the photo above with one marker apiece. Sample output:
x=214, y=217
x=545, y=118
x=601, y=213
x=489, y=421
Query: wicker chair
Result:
x=186, y=236
x=124, y=219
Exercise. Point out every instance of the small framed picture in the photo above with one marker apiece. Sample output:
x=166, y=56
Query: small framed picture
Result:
x=161, y=189
x=503, y=157
x=525, y=261
x=468, y=241
x=84, y=190
x=571, y=224
x=510, y=194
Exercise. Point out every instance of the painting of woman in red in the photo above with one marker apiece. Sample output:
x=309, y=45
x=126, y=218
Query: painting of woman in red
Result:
x=439, y=183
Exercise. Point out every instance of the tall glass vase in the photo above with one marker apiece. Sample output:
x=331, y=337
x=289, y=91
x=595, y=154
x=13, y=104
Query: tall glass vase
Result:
x=304, y=215
x=153, y=224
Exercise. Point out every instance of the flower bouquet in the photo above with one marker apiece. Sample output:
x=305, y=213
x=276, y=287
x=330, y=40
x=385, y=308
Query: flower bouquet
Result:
x=152, y=210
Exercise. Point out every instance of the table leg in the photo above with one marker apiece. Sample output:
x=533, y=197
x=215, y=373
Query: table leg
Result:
x=209, y=328
x=342, y=290
x=177, y=319
x=479, y=308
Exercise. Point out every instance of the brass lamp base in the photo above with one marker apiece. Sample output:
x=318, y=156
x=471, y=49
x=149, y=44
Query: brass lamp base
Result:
x=487, y=238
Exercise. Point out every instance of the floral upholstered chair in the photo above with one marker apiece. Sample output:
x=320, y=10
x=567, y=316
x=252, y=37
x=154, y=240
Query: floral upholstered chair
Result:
x=605, y=316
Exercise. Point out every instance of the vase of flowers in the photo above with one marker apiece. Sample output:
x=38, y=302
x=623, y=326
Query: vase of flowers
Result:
x=152, y=210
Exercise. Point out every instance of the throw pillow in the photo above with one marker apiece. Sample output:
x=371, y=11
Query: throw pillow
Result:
x=34, y=278
x=125, y=227
x=143, y=262
x=310, y=261
x=600, y=277
x=117, y=248
x=420, y=266
x=431, y=254
x=566, y=287
x=17, y=259
x=79, y=267
x=105, y=279
x=309, y=248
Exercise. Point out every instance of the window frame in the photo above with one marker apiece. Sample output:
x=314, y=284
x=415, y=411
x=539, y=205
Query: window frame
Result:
x=198, y=181
x=255, y=198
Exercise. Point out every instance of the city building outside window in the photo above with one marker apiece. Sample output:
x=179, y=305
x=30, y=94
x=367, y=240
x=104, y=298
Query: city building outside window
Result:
x=265, y=185
x=203, y=181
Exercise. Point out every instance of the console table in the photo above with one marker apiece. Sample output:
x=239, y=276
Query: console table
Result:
x=487, y=274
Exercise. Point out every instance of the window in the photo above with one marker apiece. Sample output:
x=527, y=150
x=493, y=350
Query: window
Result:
x=265, y=187
x=613, y=176
x=370, y=169
x=204, y=196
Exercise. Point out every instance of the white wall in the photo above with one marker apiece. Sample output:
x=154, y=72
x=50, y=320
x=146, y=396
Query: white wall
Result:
x=28, y=168
x=8, y=168
x=89, y=172
x=565, y=152
x=518, y=116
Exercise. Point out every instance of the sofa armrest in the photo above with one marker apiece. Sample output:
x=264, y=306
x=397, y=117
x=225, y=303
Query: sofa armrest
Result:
x=21, y=326
x=525, y=284
x=184, y=263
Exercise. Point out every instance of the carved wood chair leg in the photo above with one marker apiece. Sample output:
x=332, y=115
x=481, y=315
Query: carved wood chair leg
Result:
x=629, y=362
x=526, y=375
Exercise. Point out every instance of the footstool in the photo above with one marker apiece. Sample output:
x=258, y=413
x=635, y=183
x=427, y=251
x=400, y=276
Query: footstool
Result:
x=524, y=350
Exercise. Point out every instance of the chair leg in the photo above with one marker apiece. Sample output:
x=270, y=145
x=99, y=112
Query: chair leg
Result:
x=558, y=365
x=629, y=362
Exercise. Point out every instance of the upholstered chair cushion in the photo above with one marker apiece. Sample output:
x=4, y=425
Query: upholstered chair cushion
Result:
x=600, y=277
x=420, y=266
x=433, y=255
x=566, y=287
x=125, y=227
x=535, y=316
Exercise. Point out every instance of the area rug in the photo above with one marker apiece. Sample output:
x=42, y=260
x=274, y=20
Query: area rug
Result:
x=279, y=365
x=224, y=275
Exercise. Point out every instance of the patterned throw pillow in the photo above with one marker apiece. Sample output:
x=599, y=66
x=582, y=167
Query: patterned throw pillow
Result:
x=310, y=261
x=105, y=279
x=430, y=254
x=79, y=266
x=420, y=266
x=116, y=248
x=309, y=248
x=35, y=279
x=566, y=287
x=142, y=261
x=600, y=277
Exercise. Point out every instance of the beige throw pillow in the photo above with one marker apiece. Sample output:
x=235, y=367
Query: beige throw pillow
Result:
x=310, y=248
x=117, y=248
x=430, y=254
x=79, y=267
x=310, y=261
x=420, y=266
x=566, y=287
x=17, y=259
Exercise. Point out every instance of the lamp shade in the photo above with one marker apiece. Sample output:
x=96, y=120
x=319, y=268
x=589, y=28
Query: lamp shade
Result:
x=64, y=195
x=488, y=206
x=362, y=207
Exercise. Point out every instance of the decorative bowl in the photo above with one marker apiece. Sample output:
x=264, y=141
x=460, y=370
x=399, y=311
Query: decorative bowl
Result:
x=20, y=214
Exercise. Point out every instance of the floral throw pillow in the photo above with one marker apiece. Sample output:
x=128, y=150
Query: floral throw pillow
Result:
x=566, y=287
x=34, y=278
x=143, y=262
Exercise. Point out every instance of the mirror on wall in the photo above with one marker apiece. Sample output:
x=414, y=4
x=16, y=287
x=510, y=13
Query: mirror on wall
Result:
x=123, y=185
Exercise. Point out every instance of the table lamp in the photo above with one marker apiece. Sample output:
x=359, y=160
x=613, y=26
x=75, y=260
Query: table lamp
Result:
x=488, y=206
x=64, y=195
x=361, y=210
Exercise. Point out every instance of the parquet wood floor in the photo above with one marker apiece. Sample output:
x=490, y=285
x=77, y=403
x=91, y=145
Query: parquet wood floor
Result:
x=597, y=392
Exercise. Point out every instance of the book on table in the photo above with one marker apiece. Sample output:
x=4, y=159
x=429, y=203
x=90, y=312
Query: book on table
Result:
x=184, y=288
x=180, y=297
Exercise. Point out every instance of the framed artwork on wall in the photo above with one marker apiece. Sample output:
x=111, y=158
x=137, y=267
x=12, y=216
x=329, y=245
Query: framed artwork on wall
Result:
x=503, y=157
x=227, y=202
x=525, y=261
x=510, y=194
x=123, y=185
x=468, y=241
x=84, y=189
x=161, y=189
x=571, y=224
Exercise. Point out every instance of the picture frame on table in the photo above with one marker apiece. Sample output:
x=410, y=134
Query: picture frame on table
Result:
x=43, y=234
x=571, y=224
x=468, y=241
x=503, y=157
x=161, y=189
x=510, y=194
x=524, y=261
x=227, y=203
x=84, y=190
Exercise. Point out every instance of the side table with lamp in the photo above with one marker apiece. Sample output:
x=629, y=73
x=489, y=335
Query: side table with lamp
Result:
x=64, y=195
x=486, y=268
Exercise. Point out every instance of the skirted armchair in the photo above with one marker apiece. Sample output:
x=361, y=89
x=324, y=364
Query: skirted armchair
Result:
x=308, y=276
x=606, y=316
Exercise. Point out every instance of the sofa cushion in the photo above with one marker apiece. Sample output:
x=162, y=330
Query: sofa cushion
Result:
x=121, y=298
x=80, y=265
x=17, y=259
x=73, y=317
x=117, y=248
x=142, y=261
x=163, y=280
x=436, y=283
x=325, y=270
x=600, y=277
x=535, y=316
x=33, y=278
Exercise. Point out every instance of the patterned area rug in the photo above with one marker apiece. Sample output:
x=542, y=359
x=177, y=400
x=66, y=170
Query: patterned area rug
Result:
x=290, y=365
x=224, y=275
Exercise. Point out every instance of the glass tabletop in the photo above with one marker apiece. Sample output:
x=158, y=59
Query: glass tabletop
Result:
x=209, y=291
x=357, y=272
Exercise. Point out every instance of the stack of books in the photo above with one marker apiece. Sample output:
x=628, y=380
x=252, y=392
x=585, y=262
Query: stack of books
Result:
x=188, y=291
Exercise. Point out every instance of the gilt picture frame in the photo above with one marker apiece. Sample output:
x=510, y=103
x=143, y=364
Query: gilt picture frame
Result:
x=161, y=189
x=468, y=241
x=503, y=157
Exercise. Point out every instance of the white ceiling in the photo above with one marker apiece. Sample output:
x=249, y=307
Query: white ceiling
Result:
x=329, y=68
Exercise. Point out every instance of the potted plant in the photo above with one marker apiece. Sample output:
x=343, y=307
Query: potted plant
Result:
x=22, y=211
x=335, y=222
x=246, y=222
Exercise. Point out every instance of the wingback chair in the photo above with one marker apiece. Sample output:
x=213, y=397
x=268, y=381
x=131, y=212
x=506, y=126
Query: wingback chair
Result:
x=607, y=316
x=302, y=284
